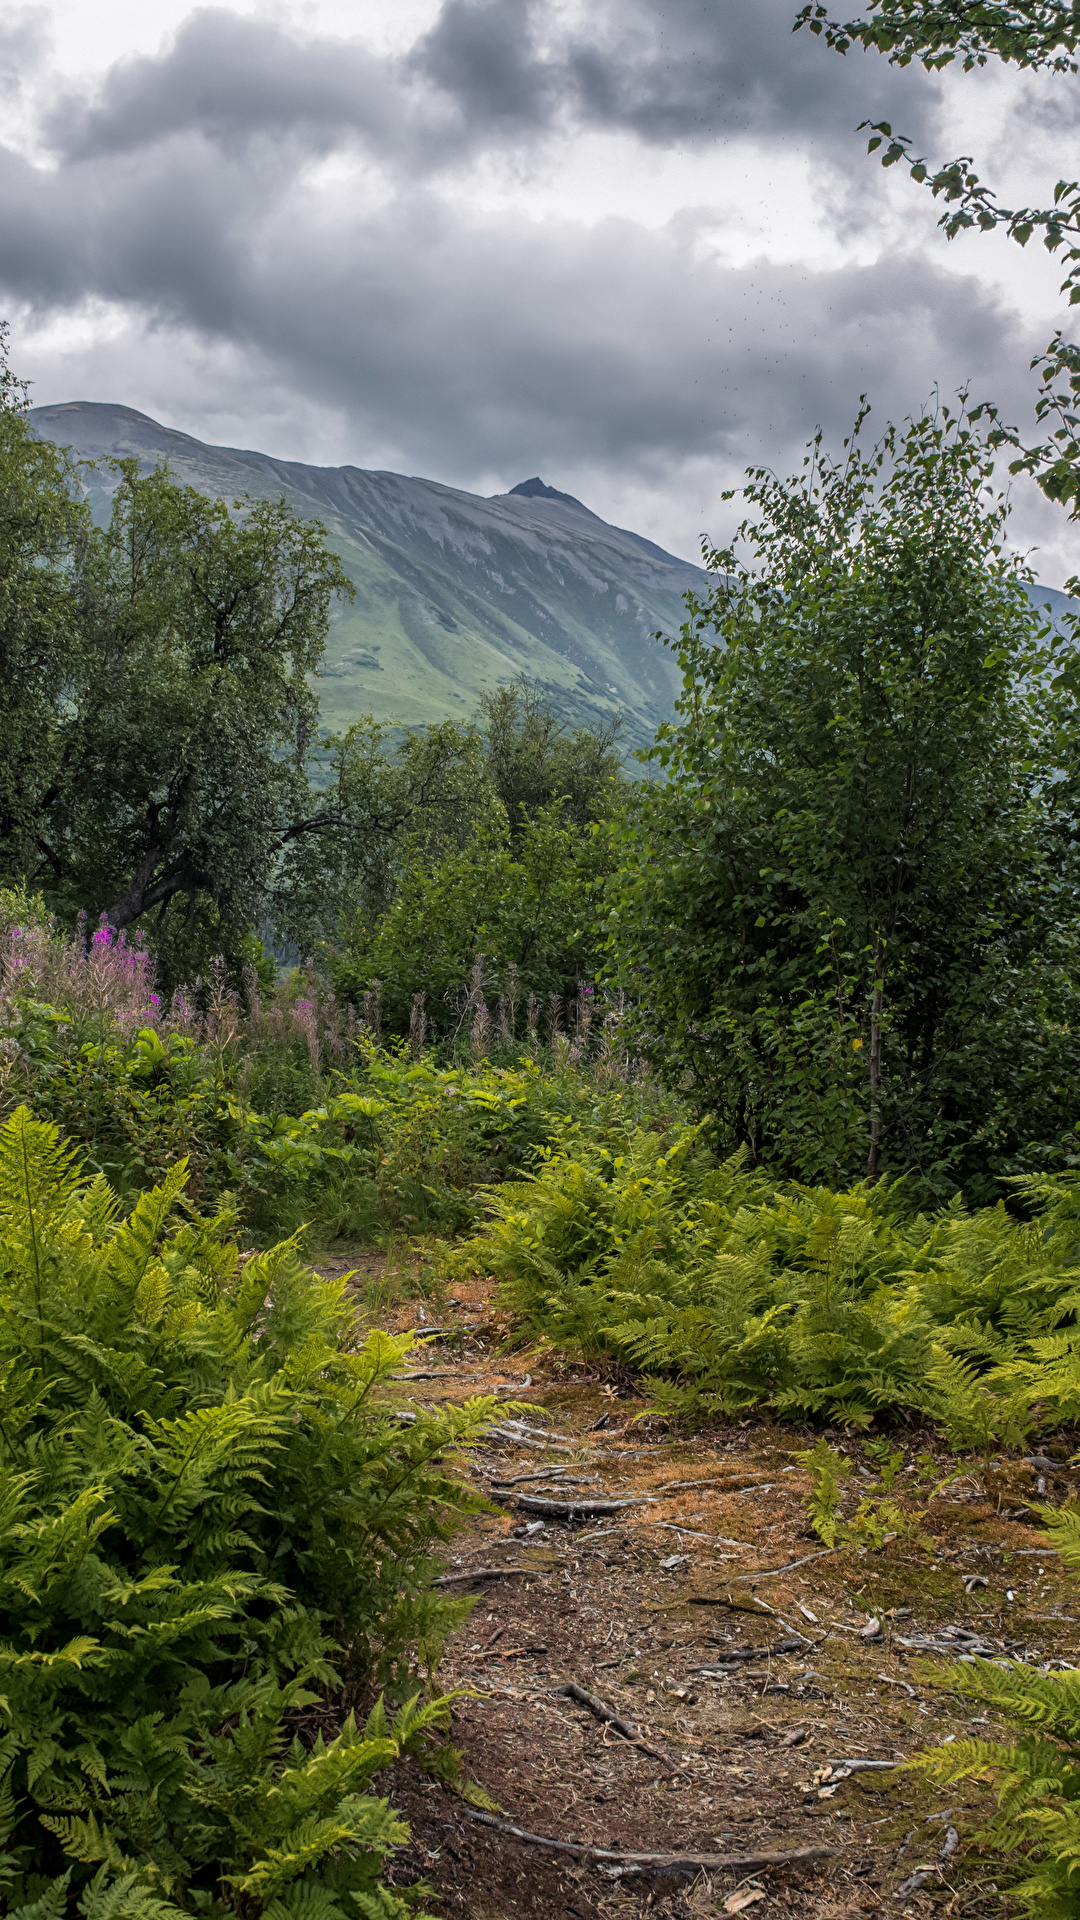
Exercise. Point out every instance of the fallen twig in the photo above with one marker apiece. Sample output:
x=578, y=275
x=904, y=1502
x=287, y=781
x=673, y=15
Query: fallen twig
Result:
x=762, y=1607
x=950, y=1640
x=522, y=1436
x=439, y=1373
x=613, y=1719
x=537, y=1473
x=557, y=1478
x=754, y=1608
x=890, y=1681
x=566, y=1509
x=766, y=1573
x=834, y=1771
x=483, y=1573
x=656, y=1862
x=922, y=1874
x=727, y=1656
x=674, y=1486
x=522, y=1426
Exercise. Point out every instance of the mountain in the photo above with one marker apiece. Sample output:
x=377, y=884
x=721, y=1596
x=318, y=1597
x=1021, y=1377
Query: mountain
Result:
x=454, y=593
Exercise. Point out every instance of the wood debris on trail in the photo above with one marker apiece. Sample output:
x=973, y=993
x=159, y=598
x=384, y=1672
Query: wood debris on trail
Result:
x=623, y=1706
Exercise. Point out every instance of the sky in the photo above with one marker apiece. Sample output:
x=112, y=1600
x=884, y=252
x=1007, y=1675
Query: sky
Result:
x=631, y=246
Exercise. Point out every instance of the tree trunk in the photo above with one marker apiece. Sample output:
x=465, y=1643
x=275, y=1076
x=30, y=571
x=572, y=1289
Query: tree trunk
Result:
x=135, y=901
x=876, y=1004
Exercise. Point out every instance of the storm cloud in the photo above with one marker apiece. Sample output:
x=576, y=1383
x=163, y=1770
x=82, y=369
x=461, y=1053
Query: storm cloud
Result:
x=687, y=72
x=305, y=208
x=490, y=71
x=486, y=334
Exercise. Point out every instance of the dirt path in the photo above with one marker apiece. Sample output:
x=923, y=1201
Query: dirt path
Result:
x=747, y=1686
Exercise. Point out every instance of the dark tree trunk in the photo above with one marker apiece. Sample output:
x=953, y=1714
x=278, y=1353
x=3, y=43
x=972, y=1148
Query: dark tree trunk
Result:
x=876, y=1005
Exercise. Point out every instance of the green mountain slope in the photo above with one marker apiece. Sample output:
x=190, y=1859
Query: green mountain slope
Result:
x=454, y=593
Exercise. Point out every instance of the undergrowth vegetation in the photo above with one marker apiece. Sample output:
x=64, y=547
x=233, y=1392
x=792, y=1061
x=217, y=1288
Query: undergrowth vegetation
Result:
x=277, y=1097
x=1038, y=1774
x=725, y=1290
x=207, y=1521
x=838, y=928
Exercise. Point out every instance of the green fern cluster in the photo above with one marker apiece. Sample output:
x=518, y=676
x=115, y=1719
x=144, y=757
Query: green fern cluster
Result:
x=877, y=1516
x=205, y=1522
x=726, y=1292
x=1038, y=1775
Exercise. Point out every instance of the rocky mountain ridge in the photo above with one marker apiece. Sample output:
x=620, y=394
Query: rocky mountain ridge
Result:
x=455, y=593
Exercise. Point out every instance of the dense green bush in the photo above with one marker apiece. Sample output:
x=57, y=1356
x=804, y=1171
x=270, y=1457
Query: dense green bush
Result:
x=527, y=902
x=206, y=1522
x=135, y=1101
x=467, y=812
x=402, y=1144
x=726, y=1291
x=845, y=916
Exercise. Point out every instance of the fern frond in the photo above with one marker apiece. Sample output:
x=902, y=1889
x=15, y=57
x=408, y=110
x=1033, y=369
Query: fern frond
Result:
x=134, y=1242
x=50, y=1905
x=306, y=1900
x=88, y=1841
x=128, y=1898
x=358, y=1823
x=39, y=1175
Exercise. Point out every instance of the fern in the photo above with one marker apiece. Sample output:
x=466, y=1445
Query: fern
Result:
x=727, y=1292
x=1037, y=1775
x=827, y=1469
x=202, y=1507
x=50, y=1905
x=127, y=1898
x=975, y=1410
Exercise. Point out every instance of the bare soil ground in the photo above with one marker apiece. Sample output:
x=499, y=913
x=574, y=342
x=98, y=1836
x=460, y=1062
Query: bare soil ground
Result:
x=708, y=1617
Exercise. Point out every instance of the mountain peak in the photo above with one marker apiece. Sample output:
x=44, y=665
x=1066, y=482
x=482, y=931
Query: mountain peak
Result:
x=457, y=595
x=536, y=489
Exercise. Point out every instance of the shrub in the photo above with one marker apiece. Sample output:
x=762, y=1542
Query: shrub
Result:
x=1037, y=1775
x=523, y=895
x=207, y=1521
x=279, y=1098
x=844, y=914
x=727, y=1291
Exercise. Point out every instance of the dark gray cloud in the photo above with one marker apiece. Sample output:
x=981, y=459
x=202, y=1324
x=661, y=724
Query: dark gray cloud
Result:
x=475, y=342
x=231, y=79
x=469, y=344
x=682, y=73
x=492, y=71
